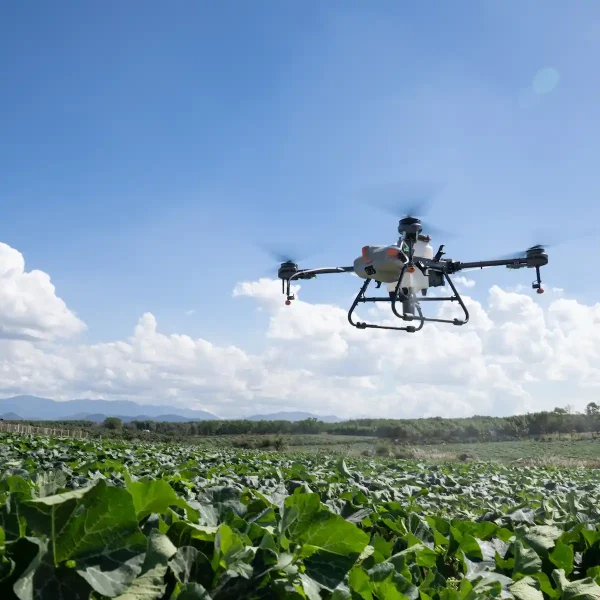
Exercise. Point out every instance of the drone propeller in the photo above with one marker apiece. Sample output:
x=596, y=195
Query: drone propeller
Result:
x=405, y=199
x=524, y=253
x=555, y=239
x=412, y=200
x=282, y=253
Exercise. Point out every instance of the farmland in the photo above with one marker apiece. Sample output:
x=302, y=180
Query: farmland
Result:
x=108, y=519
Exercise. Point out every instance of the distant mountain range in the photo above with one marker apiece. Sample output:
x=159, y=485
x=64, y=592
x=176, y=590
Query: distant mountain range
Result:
x=44, y=409
x=293, y=416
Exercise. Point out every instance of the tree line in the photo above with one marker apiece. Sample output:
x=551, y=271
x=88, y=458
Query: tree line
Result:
x=422, y=431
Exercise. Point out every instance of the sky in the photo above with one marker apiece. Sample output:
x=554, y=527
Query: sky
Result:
x=147, y=151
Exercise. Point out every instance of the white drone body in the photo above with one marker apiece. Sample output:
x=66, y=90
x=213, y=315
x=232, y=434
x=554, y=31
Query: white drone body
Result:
x=385, y=264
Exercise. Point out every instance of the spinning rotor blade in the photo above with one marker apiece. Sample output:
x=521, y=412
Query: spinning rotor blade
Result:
x=412, y=199
x=401, y=200
x=522, y=253
x=283, y=252
x=553, y=239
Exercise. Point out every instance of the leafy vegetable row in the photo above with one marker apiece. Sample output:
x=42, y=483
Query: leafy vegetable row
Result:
x=90, y=520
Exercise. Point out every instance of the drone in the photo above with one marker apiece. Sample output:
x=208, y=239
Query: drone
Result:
x=409, y=269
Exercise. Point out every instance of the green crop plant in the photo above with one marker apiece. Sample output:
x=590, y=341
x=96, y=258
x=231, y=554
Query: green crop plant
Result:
x=95, y=520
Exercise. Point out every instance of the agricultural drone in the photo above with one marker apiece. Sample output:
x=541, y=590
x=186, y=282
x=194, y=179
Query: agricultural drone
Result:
x=409, y=268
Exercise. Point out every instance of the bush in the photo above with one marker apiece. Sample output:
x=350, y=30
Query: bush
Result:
x=403, y=453
x=382, y=450
x=265, y=443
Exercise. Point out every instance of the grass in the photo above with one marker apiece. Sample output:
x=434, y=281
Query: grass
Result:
x=529, y=450
x=567, y=452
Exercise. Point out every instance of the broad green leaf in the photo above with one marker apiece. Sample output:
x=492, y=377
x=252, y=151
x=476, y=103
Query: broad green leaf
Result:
x=329, y=569
x=527, y=588
x=594, y=573
x=334, y=534
x=193, y=591
x=542, y=538
x=189, y=565
x=343, y=468
x=341, y=592
x=49, y=482
x=298, y=513
x=386, y=583
x=36, y=578
x=423, y=556
x=188, y=534
x=527, y=561
x=582, y=589
x=231, y=552
x=545, y=584
x=382, y=548
x=216, y=501
x=98, y=529
x=360, y=583
x=150, y=584
x=311, y=588
x=155, y=496
x=563, y=556
x=490, y=585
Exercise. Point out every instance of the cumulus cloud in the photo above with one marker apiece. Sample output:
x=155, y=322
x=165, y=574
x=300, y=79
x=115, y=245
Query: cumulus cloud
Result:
x=462, y=281
x=29, y=306
x=515, y=354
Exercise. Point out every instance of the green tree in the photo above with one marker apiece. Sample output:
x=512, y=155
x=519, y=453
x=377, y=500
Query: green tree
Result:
x=112, y=423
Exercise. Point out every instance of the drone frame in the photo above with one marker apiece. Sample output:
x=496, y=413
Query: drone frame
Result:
x=410, y=227
x=409, y=304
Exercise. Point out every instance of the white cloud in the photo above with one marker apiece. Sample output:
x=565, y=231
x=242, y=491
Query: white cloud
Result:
x=517, y=353
x=29, y=307
x=462, y=281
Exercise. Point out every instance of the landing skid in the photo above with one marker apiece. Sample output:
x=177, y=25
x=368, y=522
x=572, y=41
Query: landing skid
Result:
x=409, y=302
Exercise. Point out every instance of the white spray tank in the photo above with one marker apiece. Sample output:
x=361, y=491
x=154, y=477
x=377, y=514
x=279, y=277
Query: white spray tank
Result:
x=416, y=281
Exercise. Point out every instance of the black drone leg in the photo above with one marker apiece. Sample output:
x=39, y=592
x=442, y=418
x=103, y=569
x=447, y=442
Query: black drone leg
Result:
x=537, y=284
x=360, y=297
x=460, y=301
x=289, y=297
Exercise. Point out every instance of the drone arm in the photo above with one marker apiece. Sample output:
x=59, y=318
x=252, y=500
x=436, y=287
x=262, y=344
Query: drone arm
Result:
x=322, y=271
x=309, y=274
x=533, y=261
x=482, y=264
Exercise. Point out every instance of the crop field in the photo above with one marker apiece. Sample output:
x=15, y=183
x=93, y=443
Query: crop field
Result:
x=94, y=520
x=571, y=451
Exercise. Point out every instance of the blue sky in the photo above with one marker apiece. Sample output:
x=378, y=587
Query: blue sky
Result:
x=145, y=146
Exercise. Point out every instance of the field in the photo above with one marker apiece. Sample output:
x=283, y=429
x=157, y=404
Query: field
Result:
x=565, y=451
x=107, y=519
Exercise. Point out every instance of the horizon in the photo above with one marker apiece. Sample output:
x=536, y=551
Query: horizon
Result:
x=569, y=409
x=147, y=153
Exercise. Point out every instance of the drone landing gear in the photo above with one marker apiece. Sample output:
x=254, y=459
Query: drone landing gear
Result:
x=537, y=284
x=360, y=297
x=410, y=299
x=410, y=303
